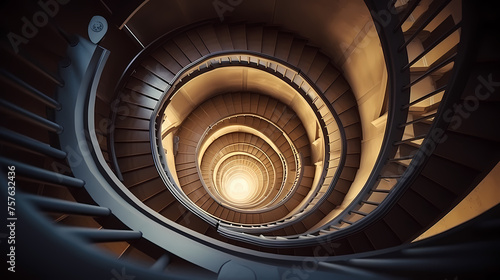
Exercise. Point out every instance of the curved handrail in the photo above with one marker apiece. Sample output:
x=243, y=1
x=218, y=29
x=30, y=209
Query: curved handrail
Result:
x=79, y=138
x=397, y=63
x=127, y=73
x=216, y=192
x=206, y=132
x=305, y=87
x=353, y=264
x=297, y=159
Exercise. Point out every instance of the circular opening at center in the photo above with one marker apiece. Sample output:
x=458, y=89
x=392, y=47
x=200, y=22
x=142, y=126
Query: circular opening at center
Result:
x=239, y=189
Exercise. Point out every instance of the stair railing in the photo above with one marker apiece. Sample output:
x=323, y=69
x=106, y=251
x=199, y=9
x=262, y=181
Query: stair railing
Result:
x=301, y=83
x=385, y=184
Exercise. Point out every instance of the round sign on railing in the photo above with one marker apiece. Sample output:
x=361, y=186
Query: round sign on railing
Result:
x=98, y=26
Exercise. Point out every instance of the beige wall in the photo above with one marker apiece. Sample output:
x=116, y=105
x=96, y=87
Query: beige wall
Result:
x=364, y=68
x=350, y=41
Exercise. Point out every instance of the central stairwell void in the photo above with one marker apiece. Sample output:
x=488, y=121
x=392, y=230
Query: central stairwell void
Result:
x=242, y=149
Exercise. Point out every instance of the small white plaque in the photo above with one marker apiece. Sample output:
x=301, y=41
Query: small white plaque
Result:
x=98, y=27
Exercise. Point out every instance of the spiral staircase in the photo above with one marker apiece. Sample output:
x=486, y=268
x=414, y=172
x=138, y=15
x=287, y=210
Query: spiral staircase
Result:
x=232, y=147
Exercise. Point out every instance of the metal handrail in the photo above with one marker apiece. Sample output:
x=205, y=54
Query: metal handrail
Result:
x=225, y=58
x=127, y=73
x=399, y=79
x=406, y=260
x=283, y=161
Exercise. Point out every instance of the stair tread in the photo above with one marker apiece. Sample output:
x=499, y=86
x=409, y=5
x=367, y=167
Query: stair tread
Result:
x=209, y=38
x=146, y=76
x=224, y=37
x=152, y=65
x=188, y=48
x=137, y=98
x=132, y=149
x=125, y=109
x=148, y=189
x=254, y=37
x=132, y=123
x=176, y=53
x=269, y=38
x=318, y=66
x=239, y=36
x=127, y=135
x=296, y=50
x=135, y=162
x=307, y=58
x=284, y=45
x=140, y=176
x=166, y=60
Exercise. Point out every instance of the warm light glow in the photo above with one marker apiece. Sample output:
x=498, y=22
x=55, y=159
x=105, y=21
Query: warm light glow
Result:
x=238, y=189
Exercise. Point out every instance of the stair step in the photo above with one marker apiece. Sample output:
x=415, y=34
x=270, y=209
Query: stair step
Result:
x=402, y=224
x=139, y=99
x=209, y=38
x=438, y=35
x=306, y=59
x=148, y=189
x=405, y=11
x=360, y=243
x=327, y=77
x=337, y=89
x=174, y=211
x=283, y=45
x=166, y=60
x=470, y=156
x=132, y=149
x=203, y=200
x=438, y=196
x=254, y=37
x=224, y=37
x=197, y=42
x=140, y=176
x=128, y=135
x=177, y=54
x=319, y=65
x=381, y=236
x=419, y=208
x=453, y=176
x=434, y=8
x=239, y=36
x=125, y=110
x=193, y=187
x=133, y=163
x=187, y=47
x=160, y=200
x=345, y=103
x=146, y=76
x=269, y=37
x=152, y=65
x=296, y=50
x=132, y=123
x=478, y=123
